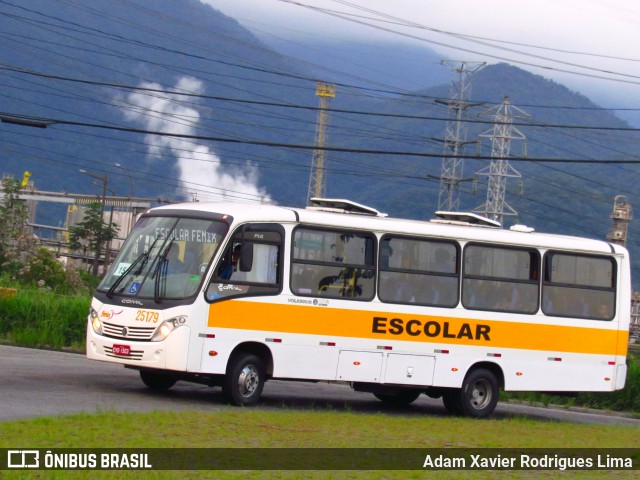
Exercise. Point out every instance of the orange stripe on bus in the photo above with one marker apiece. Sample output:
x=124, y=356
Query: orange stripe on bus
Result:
x=335, y=322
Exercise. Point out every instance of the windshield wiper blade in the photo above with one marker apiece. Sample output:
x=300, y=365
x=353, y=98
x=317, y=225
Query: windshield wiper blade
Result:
x=143, y=255
x=142, y=260
x=162, y=263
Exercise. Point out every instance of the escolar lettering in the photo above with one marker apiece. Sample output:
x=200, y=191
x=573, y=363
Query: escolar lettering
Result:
x=431, y=328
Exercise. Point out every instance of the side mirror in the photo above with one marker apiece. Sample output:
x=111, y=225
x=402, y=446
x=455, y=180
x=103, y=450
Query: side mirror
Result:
x=246, y=257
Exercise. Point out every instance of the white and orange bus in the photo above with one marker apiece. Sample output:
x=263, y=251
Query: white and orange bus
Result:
x=233, y=295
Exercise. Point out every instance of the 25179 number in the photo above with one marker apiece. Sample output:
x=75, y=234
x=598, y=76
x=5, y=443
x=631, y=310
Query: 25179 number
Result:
x=148, y=316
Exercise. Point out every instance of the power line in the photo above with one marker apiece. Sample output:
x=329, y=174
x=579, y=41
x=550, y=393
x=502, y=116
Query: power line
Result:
x=26, y=119
x=301, y=107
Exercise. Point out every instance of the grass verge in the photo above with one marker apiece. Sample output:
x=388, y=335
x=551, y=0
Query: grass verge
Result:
x=243, y=428
x=35, y=318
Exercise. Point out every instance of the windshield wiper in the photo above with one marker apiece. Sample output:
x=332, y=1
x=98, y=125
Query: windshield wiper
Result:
x=162, y=264
x=142, y=260
x=143, y=256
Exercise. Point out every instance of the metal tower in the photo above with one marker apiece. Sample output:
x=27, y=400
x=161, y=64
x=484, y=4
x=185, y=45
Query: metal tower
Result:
x=455, y=135
x=316, y=177
x=621, y=217
x=502, y=134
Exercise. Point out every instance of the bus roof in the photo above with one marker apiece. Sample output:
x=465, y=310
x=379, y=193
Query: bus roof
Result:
x=246, y=212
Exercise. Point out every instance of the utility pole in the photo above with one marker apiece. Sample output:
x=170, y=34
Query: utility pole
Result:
x=621, y=216
x=502, y=134
x=317, y=178
x=455, y=135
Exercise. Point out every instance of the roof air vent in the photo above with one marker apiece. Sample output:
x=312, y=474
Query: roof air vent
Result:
x=339, y=205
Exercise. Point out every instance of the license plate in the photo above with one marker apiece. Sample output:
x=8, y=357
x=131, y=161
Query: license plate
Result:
x=122, y=350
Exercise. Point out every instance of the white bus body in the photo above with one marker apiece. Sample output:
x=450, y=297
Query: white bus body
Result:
x=392, y=307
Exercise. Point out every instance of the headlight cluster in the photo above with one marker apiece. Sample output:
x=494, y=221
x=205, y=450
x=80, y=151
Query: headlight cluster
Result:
x=96, y=323
x=167, y=327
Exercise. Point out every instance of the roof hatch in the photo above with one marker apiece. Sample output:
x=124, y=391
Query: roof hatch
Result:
x=465, y=218
x=340, y=205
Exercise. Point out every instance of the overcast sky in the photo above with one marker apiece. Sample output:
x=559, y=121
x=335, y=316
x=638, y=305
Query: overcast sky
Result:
x=594, y=30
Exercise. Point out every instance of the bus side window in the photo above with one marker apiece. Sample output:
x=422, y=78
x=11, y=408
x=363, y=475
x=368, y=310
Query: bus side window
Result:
x=333, y=263
x=501, y=279
x=418, y=270
x=579, y=286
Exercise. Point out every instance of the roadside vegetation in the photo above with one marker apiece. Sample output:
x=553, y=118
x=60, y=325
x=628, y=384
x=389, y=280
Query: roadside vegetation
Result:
x=39, y=318
x=43, y=301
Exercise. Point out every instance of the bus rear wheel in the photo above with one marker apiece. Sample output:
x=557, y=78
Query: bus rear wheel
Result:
x=244, y=380
x=401, y=398
x=478, y=396
x=157, y=381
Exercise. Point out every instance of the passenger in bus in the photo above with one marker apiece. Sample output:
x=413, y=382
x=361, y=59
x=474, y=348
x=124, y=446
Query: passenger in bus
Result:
x=429, y=291
x=232, y=264
x=404, y=282
x=192, y=262
x=445, y=262
x=404, y=289
x=476, y=294
x=604, y=312
x=560, y=301
x=510, y=301
x=173, y=263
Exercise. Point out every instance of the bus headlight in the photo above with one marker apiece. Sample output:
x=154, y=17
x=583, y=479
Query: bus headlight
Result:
x=167, y=327
x=96, y=323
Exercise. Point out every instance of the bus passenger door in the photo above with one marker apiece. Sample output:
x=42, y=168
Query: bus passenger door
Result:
x=250, y=266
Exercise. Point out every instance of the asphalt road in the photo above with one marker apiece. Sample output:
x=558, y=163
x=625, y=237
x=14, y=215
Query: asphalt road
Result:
x=35, y=383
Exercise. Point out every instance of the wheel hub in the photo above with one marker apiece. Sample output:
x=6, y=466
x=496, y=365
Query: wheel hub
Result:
x=480, y=395
x=248, y=380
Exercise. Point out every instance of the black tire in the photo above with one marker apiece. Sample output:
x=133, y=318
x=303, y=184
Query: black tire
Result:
x=244, y=380
x=158, y=381
x=401, y=398
x=451, y=400
x=479, y=394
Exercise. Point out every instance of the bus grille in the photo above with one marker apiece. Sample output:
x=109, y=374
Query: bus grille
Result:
x=129, y=333
x=133, y=354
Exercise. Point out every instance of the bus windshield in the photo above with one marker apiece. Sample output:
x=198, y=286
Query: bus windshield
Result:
x=164, y=257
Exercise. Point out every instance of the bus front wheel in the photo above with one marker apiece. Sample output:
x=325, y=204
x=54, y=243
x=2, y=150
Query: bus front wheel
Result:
x=244, y=380
x=157, y=381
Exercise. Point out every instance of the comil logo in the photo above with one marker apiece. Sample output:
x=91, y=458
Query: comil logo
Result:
x=23, y=459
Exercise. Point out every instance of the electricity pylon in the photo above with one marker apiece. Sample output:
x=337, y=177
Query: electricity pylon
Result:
x=502, y=135
x=621, y=216
x=455, y=135
x=317, y=178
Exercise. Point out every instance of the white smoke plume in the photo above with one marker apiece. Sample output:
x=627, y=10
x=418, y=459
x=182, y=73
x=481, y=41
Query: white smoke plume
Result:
x=200, y=168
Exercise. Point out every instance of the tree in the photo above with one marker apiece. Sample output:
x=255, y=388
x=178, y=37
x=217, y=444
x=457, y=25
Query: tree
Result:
x=93, y=233
x=13, y=215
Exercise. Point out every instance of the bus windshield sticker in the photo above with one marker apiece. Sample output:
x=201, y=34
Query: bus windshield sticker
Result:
x=221, y=290
x=122, y=267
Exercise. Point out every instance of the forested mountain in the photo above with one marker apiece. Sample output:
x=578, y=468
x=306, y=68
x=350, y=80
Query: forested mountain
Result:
x=102, y=70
